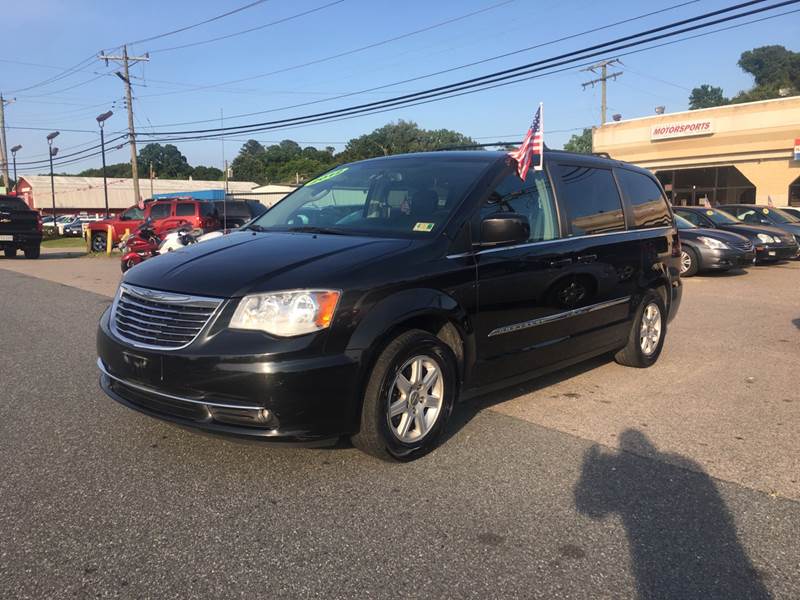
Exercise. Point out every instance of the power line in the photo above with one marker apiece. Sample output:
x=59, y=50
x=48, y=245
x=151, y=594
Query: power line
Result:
x=65, y=73
x=188, y=27
x=441, y=72
x=565, y=58
x=250, y=30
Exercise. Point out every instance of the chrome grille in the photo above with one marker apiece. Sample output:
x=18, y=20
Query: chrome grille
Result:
x=159, y=320
x=742, y=244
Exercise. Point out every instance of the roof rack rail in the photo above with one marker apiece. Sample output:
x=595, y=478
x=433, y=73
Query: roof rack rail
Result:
x=601, y=154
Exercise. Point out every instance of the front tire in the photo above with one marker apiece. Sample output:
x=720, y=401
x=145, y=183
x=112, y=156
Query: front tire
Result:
x=33, y=252
x=646, y=338
x=690, y=263
x=409, y=396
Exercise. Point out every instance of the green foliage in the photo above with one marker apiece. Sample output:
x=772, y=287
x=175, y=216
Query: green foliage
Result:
x=775, y=71
x=707, y=96
x=117, y=170
x=167, y=161
x=581, y=143
x=203, y=173
x=399, y=138
x=280, y=163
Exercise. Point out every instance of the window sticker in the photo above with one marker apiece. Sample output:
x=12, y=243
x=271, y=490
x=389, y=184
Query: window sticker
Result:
x=710, y=213
x=326, y=176
x=765, y=211
x=424, y=226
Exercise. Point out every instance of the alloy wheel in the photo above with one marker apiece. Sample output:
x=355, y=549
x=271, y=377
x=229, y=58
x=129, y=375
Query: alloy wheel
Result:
x=650, y=330
x=416, y=397
x=686, y=261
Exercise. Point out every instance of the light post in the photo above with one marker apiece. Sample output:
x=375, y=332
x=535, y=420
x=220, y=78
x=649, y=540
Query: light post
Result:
x=101, y=119
x=53, y=152
x=14, y=151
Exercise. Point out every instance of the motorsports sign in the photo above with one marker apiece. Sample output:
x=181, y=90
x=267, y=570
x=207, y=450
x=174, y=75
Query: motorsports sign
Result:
x=681, y=129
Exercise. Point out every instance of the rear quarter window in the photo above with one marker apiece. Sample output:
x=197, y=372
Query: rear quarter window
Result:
x=645, y=197
x=184, y=209
x=590, y=199
x=12, y=204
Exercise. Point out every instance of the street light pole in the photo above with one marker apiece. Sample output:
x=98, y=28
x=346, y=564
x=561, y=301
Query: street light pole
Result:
x=52, y=153
x=14, y=151
x=101, y=119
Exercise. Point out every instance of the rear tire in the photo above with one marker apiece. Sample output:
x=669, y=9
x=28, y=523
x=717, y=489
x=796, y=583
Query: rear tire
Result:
x=405, y=425
x=690, y=263
x=646, y=338
x=99, y=242
x=33, y=252
x=9, y=252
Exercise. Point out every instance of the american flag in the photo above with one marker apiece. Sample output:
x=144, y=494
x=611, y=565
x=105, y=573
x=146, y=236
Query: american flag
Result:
x=532, y=146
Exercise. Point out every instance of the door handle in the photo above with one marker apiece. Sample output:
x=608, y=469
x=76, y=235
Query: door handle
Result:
x=561, y=262
x=587, y=258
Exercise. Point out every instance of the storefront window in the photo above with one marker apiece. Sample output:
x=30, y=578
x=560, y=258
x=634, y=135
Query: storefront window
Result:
x=709, y=186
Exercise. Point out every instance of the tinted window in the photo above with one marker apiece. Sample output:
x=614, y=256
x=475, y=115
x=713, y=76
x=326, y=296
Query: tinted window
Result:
x=692, y=217
x=184, y=209
x=160, y=211
x=590, y=199
x=649, y=207
x=7, y=203
x=208, y=209
x=531, y=198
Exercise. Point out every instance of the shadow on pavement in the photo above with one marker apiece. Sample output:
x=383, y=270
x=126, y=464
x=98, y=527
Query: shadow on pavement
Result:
x=796, y=322
x=682, y=539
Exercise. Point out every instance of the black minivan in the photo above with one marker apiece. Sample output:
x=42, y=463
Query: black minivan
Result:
x=368, y=301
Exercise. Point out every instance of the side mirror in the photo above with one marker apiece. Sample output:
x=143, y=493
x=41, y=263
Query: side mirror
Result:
x=504, y=229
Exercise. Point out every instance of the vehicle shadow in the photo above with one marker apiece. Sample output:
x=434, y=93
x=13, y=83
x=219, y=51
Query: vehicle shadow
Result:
x=796, y=322
x=682, y=538
x=722, y=274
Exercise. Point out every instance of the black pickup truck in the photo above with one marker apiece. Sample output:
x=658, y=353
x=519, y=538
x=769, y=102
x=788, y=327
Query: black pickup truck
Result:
x=20, y=228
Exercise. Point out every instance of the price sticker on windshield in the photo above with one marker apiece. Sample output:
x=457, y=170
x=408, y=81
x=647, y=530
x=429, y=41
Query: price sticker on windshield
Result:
x=327, y=176
x=710, y=213
x=765, y=211
x=424, y=226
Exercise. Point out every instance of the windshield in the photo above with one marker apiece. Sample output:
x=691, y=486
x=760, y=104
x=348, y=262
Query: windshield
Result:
x=683, y=223
x=779, y=216
x=399, y=197
x=719, y=217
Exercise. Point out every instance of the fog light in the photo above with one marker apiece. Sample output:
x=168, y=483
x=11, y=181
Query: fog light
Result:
x=238, y=416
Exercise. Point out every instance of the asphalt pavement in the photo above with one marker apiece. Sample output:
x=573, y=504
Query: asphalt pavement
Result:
x=530, y=497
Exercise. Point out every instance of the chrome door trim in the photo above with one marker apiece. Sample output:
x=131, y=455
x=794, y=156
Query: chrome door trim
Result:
x=626, y=233
x=149, y=390
x=552, y=318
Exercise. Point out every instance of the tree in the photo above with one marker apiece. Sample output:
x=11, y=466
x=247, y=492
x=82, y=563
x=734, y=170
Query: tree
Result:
x=399, y=138
x=167, y=161
x=117, y=170
x=203, y=173
x=707, y=96
x=581, y=143
x=772, y=66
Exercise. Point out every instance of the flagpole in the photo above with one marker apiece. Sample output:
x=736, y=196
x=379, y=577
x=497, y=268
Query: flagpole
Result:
x=540, y=166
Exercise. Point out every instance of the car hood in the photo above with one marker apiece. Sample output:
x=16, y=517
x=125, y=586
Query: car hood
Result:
x=753, y=230
x=793, y=228
x=249, y=262
x=717, y=234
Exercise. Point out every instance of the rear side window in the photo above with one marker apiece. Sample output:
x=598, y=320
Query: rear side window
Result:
x=691, y=216
x=208, y=209
x=184, y=209
x=590, y=200
x=160, y=211
x=649, y=206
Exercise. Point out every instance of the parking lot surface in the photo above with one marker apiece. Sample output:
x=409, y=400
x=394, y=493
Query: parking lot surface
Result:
x=679, y=481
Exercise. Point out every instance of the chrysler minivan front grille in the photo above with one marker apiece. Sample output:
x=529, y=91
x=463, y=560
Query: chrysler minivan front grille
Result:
x=160, y=320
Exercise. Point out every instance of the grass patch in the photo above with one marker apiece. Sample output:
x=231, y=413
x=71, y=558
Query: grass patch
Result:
x=64, y=243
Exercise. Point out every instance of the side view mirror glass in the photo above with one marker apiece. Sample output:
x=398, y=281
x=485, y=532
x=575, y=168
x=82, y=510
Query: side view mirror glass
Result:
x=504, y=229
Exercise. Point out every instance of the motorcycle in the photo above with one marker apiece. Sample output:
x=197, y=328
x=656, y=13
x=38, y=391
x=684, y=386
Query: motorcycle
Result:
x=175, y=240
x=139, y=246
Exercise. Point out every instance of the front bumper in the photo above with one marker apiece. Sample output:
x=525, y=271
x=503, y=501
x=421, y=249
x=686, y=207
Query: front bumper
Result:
x=771, y=252
x=260, y=396
x=728, y=258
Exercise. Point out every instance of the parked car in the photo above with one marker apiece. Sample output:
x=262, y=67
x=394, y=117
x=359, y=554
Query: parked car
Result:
x=765, y=215
x=367, y=302
x=60, y=221
x=75, y=227
x=167, y=215
x=234, y=213
x=20, y=228
x=712, y=249
x=792, y=210
x=771, y=243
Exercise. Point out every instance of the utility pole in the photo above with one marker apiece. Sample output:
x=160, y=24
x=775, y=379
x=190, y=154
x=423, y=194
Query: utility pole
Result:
x=3, y=147
x=125, y=76
x=604, y=77
x=151, y=178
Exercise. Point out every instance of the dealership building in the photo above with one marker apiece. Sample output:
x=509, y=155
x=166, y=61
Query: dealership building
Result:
x=740, y=153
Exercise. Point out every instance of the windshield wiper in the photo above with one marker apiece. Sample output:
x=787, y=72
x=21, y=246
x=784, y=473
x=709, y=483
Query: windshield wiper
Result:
x=315, y=229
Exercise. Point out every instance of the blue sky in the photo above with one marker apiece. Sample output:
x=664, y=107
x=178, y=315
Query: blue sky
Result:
x=56, y=33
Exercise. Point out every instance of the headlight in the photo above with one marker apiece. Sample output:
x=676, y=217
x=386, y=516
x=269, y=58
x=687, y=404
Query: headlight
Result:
x=767, y=239
x=286, y=314
x=712, y=243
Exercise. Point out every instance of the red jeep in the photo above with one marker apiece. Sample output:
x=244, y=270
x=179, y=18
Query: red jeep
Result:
x=167, y=215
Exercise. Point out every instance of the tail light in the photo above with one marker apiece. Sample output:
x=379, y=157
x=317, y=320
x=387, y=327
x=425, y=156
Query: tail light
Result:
x=39, y=227
x=676, y=244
